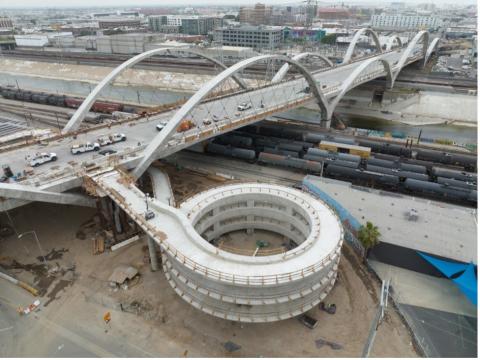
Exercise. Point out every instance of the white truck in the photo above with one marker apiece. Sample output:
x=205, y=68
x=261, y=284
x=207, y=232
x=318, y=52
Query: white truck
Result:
x=110, y=139
x=42, y=158
x=81, y=148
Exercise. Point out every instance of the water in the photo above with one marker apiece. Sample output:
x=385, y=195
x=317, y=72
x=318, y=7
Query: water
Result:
x=143, y=95
x=151, y=96
x=459, y=134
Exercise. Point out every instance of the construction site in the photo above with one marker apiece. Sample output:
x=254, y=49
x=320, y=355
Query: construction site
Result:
x=185, y=213
x=85, y=278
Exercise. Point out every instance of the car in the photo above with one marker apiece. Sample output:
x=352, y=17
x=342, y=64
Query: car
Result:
x=43, y=158
x=149, y=214
x=215, y=118
x=237, y=114
x=207, y=122
x=107, y=152
x=161, y=125
x=244, y=106
x=81, y=148
x=110, y=139
x=117, y=137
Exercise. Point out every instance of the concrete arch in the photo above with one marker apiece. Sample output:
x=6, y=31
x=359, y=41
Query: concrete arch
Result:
x=348, y=84
x=284, y=69
x=392, y=40
x=431, y=49
x=82, y=111
x=164, y=135
x=356, y=37
x=421, y=35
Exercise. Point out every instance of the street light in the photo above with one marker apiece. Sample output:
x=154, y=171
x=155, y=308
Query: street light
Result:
x=38, y=244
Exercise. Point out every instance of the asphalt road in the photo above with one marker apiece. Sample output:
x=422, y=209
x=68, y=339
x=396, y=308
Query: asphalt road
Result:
x=142, y=132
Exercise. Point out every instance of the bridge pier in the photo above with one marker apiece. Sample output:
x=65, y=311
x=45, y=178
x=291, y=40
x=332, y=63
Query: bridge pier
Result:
x=152, y=250
x=324, y=123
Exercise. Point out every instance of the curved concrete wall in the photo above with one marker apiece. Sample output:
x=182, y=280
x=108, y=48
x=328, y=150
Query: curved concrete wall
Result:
x=279, y=286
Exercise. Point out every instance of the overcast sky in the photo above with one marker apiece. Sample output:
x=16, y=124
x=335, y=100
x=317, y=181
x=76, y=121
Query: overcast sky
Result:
x=138, y=3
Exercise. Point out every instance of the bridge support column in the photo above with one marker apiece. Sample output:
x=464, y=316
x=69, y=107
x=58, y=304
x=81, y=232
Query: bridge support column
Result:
x=325, y=118
x=324, y=123
x=152, y=250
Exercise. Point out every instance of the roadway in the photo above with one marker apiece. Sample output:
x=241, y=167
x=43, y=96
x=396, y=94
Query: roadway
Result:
x=275, y=98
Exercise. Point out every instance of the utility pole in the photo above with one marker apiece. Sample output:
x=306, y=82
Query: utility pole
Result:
x=38, y=244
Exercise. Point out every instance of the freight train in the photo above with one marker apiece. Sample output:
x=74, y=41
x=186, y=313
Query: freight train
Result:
x=390, y=174
x=412, y=154
x=62, y=100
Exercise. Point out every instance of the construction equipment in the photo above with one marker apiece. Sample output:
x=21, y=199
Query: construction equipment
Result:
x=185, y=125
x=329, y=308
x=22, y=284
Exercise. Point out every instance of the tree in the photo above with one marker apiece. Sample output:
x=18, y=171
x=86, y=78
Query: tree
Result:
x=330, y=39
x=369, y=237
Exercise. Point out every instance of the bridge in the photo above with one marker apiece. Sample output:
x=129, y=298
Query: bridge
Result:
x=213, y=110
x=241, y=286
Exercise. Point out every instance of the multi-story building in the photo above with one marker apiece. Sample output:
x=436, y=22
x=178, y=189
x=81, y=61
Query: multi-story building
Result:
x=200, y=25
x=404, y=22
x=5, y=23
x=258, y=15
x=265, y=37
x=186, y=24
x=156, y=21
x=245, y=14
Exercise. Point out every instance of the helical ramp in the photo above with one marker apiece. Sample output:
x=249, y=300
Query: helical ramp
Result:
x=246, y=287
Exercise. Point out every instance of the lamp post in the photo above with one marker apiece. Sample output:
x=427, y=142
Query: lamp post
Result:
x=38, y=244
x=146, y=200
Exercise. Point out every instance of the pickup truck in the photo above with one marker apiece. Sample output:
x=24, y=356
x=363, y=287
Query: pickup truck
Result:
x=42, y=158
x=110, y=139
x=81, y=148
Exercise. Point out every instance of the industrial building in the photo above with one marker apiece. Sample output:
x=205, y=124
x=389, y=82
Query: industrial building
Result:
x=127, y=43
x=41, y=40
x=192, y=25
x=404, y=22
x=265, y=37
x=5, y=23
x=333, y=13
x=228, y=53
x=111, y=23
x=300, y=32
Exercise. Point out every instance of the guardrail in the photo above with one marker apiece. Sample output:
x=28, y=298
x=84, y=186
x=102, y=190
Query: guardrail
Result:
x=257, y=280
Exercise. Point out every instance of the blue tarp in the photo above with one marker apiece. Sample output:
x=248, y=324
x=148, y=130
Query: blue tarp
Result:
x=447, y=268
x=466, y=282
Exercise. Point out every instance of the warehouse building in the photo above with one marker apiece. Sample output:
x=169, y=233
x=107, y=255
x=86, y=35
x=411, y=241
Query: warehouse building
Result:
x=264, y=37
x=404, y=22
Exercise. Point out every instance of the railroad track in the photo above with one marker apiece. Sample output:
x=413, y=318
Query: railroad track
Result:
x=223, y=166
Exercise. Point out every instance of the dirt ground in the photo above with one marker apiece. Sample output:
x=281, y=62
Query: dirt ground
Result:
x=155, y=321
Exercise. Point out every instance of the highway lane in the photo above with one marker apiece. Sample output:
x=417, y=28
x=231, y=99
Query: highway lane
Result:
x=141, y=133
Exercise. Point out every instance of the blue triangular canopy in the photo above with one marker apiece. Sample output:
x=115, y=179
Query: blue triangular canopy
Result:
x=467, y=282
x=447, y=268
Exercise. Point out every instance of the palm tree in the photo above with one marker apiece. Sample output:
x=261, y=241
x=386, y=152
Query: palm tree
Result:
x=369, y=237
